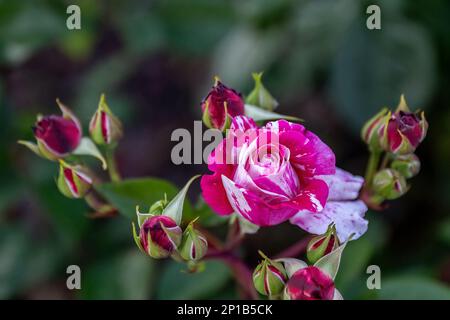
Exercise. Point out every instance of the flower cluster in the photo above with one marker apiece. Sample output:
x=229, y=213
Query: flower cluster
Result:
x=279, y=172
x=60, y=138
x=294, y=279
x=265, y=171
x=396, y=135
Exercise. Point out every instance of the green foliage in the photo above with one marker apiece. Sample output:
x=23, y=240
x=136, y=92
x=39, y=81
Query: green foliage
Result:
x=128, y=275
x=176, y=283
x=413, y=288
x=126, y=195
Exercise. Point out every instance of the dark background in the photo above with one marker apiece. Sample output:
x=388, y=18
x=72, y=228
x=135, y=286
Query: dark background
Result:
x=156, y=60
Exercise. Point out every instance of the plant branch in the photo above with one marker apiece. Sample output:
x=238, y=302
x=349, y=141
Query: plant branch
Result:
x=112, y=165
x=372, y=167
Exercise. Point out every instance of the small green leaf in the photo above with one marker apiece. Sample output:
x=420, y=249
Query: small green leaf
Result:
x=330, y=262
x=126, y=194
x=259, y=114
x=88, y=148
x=30, y=145
x=175, y=207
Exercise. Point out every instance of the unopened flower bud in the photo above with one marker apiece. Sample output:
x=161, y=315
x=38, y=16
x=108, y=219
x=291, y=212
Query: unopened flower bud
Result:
x=56, y=136
x=158, y=207
x=159, y=236
x=322, y=245
x=220, y=104
x=193, y=245
x=260, y=96
x=269, y=277
x=403, y=130
x=371, y=131
x=309, y=283
x=105, y=127
x=73, y=181
x=407, y=165
x=389, y=184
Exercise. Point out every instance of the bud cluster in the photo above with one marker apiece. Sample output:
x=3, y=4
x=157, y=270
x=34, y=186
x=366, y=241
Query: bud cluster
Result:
x=397, y=135
x=60, y=138
x=161, y=237
x=293, y=279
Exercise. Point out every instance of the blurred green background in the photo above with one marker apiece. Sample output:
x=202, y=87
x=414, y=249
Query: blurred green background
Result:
x=155, y=60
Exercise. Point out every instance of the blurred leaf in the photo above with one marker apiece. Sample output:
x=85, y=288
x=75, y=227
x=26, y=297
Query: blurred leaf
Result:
x=105, y=77
x=195, y=27
x=67, y=215
x=372, y=69
x=127, y=194
x=357, y=255
x=27, y=29
x=177, y=284
x=244, y=51
x=207, y=217
x=141, y=27
x=444, y=231
x=126, y=276
x=413, y=288
x=24, y=263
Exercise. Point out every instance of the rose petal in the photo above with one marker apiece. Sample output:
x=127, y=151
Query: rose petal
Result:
x=348, y=217
x=343, y=185
x=213, y=191
x=242, y=123
x=312, y=197
x=251, y=206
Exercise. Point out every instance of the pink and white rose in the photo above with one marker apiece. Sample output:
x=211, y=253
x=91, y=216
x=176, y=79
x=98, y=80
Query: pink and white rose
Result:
x=279, y=172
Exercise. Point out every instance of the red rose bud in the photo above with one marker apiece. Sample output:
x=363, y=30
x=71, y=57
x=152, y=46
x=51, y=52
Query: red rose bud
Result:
x=220, y=104
x=309, y=283
x=56, y=136
x=370, y=133
x=73, y=181
x=269, y=277
x=322, y=245
x=407, y=165
x=159, y=236
x=403, y=130
x=389, y=184
x=260, y=96
x=193, y=245
x=105, y=127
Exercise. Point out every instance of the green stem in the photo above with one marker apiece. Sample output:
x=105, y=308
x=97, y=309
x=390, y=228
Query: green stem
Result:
x=101, y=208
x=372, y=166
x=112, y=166
x=385, y=161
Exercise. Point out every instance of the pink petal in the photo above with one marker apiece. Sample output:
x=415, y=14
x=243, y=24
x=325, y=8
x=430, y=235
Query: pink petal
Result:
x=309, y=154
x=312, y=197
x=213, y=191
x=343, y=185
x=348, y=217
x=242, y=123
x=252, y=207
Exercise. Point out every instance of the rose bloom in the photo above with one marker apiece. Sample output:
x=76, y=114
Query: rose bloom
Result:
x=279, y=172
